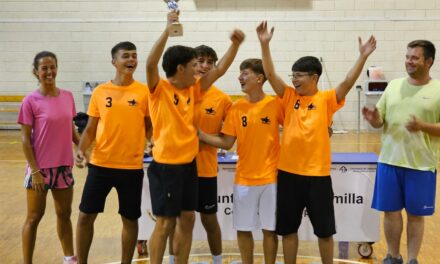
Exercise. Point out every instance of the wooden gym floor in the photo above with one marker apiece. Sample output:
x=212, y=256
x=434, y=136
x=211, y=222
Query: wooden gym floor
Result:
x=106, y=243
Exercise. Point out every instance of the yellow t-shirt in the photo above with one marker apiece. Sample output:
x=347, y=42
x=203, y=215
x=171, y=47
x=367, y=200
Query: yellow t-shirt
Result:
x=256, y=127
x=305, y=144
x=120, y=135
x=172, y=115
x=210, y=114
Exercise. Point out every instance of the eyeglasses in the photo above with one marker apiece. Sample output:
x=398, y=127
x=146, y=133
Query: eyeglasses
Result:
x=297, y=75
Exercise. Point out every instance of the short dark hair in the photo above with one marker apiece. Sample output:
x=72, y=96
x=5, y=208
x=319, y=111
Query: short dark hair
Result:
x=205, y=51
x=255, y=65
x=428, y=48
x=126, y=45
x=309, y=64
x=175, y=56
x=40, y=55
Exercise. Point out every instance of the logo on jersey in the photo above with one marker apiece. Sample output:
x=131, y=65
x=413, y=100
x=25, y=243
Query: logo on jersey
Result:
x=176, y=99
x=311, y=106
x=265, y=120
x=210, y=111
x=297, y=104
x=132, y=102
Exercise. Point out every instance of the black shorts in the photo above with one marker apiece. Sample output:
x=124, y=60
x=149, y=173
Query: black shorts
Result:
x=207, y=195
x=99, y=182
x=173, y=188
x=296, y=192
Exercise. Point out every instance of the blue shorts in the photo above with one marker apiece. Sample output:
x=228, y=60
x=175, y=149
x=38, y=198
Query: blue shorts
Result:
x=397, y=188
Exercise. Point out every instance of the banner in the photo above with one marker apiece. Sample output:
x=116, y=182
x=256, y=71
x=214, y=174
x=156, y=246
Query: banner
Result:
x=352, y=186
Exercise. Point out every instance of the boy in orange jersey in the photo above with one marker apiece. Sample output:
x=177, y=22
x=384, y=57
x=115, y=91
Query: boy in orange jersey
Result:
x=305, y=157
x=254, y=122
x=210, y=114
x=118, y=113
x=173, y=173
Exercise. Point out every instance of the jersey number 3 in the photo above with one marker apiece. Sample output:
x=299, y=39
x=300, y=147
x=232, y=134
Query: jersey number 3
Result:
x=109, y=102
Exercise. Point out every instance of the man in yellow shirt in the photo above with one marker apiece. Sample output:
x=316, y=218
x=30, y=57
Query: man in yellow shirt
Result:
x=118, y=113
x=305, y=157
x=173, y=172
x=254, y=122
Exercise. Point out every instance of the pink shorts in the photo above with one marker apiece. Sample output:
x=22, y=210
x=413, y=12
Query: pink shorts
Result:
x=54, y=178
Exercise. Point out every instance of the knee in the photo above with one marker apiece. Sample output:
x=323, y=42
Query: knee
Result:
x=415, y=218
x=210, y=223
x=86, y=219
x=33, y=220
x=165, y=226
x=64, y=214
x=187, y=219
x=270, y=234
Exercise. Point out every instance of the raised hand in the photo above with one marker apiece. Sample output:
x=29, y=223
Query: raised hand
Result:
x=237, y=36
x=263, y=34
x=368, y=47
x=172, y=17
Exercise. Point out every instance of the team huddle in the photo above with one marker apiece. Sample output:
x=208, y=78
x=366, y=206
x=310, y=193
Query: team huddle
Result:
x=188, y=118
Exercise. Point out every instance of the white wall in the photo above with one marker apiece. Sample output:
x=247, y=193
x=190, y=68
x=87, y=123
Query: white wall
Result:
x=82, y=32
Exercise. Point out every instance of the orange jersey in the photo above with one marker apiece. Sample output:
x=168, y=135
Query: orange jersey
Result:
x=256, y=127
x=210, y=114
x=305, y=144
x=172, y=115
x=120, y=135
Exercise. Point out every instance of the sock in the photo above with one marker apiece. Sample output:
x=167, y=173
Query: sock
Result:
x=171, y=258
x=67, y=258
x=217, y=259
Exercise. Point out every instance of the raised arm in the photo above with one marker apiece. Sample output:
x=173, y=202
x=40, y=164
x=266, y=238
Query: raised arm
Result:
x=278, y=85
x=221, y=141
x=415, y=125
x=237, y=37
x=365, y=49
x=87, y=137
x=157, y=51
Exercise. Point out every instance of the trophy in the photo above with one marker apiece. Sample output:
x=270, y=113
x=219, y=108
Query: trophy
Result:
x=176, y=29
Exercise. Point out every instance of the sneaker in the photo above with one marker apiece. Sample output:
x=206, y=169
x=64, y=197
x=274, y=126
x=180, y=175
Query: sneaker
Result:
x=390, y=260
x=73, y=260
x=413, y=261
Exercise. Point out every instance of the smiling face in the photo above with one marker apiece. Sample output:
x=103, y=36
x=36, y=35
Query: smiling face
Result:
x=305, y=83
x=250, y=81
x=46, y=71
x=204, y=65
x=416, y=64
x=125, y=61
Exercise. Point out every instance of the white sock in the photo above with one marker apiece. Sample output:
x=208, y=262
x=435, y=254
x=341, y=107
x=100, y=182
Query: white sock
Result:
x=217, y=259
x=67, y=258
x=171, y=258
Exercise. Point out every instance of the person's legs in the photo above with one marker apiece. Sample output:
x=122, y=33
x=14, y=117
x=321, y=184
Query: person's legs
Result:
x=326, y=249
x=290, y=248
x=246, y=246
x=183, y=236
x=158, y=239
x=420, y=189
x=207, y=207
x=63, y=208
x=415, y=228
x=84, y=235
x=393, y=226
x=36, y=205
x=213, y=232
x=270, y=246
x=128, y=238
x=98, y=184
